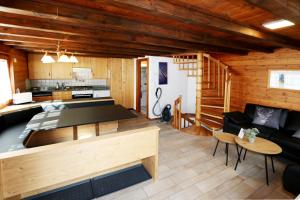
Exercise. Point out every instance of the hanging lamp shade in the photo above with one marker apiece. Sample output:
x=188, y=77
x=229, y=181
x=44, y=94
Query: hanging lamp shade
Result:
x=63, y=58
x=47, y=58
x=73, y=59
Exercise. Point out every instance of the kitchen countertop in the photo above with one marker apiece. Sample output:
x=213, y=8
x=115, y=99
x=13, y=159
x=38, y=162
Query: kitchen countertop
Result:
x=68, y=88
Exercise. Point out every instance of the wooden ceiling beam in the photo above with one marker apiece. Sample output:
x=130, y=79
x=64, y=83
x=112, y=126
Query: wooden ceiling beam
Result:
x=34, y=34
x=53, y=49
x=180, y=10
x=66, y=44
x=81, y=48
x=92, y=19
x=140, y=39
x=286, y=9
x=87, y=54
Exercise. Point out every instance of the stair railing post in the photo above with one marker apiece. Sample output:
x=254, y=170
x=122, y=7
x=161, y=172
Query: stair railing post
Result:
x=199, y=88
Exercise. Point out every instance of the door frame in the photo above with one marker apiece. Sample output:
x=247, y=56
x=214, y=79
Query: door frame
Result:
x=138, y=85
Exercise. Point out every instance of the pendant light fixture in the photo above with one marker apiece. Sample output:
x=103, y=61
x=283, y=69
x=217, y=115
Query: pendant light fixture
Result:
x=73, y=59
x=47, y=58
x=61, y=56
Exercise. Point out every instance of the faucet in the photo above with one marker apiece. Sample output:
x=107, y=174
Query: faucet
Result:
x=57, y=85
x=63, y=85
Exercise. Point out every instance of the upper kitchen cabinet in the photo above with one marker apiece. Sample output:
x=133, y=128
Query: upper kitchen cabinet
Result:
x=99, y=68
x=83, y=62
x=37, y=69
x=62, y=70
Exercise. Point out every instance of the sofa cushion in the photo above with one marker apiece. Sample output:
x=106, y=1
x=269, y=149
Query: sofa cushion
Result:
x=292, y=122
x=12, y=138
x=269, y=117
x=283, y=117
x=238, y=117
x=297, y=134
x=265, y=132
x=15, y=118
x=2, y=123
x=250, y=110
x=286, y=142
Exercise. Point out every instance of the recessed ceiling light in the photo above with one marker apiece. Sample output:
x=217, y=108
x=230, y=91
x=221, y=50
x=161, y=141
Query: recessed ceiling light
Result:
x=278, y=24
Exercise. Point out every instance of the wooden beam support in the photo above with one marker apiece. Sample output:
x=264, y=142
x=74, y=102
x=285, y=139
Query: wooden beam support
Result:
x=286, y=9
x=41, y=43
x=92, y=19
x=180, y=10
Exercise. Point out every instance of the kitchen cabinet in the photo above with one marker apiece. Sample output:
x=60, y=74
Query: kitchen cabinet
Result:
x=42, y=98
x=121, y=81
x=99, y=68
x=62, y=70
x=83, y=62
x=62, y=95
x=37, y=69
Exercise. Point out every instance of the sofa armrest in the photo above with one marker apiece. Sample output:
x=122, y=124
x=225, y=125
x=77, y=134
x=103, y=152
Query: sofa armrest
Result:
x=237, y=117
x=291, y=179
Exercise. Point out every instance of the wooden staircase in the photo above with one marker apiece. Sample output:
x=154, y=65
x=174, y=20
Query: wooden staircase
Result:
x=213, y=88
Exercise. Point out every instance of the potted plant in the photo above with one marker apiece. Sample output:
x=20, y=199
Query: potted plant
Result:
x=251, y=134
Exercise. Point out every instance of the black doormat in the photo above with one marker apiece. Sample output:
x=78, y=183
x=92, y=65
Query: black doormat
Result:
x=98, y=186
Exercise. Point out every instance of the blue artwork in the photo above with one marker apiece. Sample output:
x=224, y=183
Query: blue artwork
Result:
x=163, y=73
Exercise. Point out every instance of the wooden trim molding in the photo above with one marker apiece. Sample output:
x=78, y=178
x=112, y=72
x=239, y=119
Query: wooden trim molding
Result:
x=138, y=84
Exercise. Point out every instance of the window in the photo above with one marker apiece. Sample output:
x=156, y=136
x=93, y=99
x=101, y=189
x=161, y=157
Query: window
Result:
x=284, y=79
x=5, y=87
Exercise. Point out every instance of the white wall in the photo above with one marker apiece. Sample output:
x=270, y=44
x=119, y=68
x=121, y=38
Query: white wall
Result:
x=191, y=95
x=178, y=84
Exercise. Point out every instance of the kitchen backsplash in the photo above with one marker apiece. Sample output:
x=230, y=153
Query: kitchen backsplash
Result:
x=52, y=83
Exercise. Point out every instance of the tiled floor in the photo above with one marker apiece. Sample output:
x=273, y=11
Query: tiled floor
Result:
x=187, y=170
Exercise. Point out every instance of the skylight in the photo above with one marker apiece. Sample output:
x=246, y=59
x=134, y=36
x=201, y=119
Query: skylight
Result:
x=278, y=24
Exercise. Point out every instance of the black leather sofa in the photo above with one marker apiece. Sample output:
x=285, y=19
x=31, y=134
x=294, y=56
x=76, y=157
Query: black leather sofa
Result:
x=291, y=179
x=289, y=123
x=12, y=125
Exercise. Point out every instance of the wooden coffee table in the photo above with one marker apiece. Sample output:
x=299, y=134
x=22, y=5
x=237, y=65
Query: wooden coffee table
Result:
x=226, y=138
x=260, y=146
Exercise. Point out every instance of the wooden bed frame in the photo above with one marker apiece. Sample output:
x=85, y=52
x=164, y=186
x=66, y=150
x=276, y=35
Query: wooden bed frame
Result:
x=32, y=171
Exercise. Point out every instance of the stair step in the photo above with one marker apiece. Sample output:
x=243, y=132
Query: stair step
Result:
x=211, y=115
x=213, y=106
x=211, y=124
x=212, y=97
x=212, y=111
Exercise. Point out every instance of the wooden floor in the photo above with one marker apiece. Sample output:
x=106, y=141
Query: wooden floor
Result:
x=187, y=170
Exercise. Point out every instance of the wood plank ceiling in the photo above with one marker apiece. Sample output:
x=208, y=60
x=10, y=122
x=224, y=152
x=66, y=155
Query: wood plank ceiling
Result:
x=133, y=28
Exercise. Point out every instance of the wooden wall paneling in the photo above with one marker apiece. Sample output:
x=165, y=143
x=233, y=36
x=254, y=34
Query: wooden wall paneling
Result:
x=128, y=82
x=115, y=66
x=32, y=170
x=19, y=64
x=83, y=62
x=99, y=68
x=250, y=79
x=62, y=70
